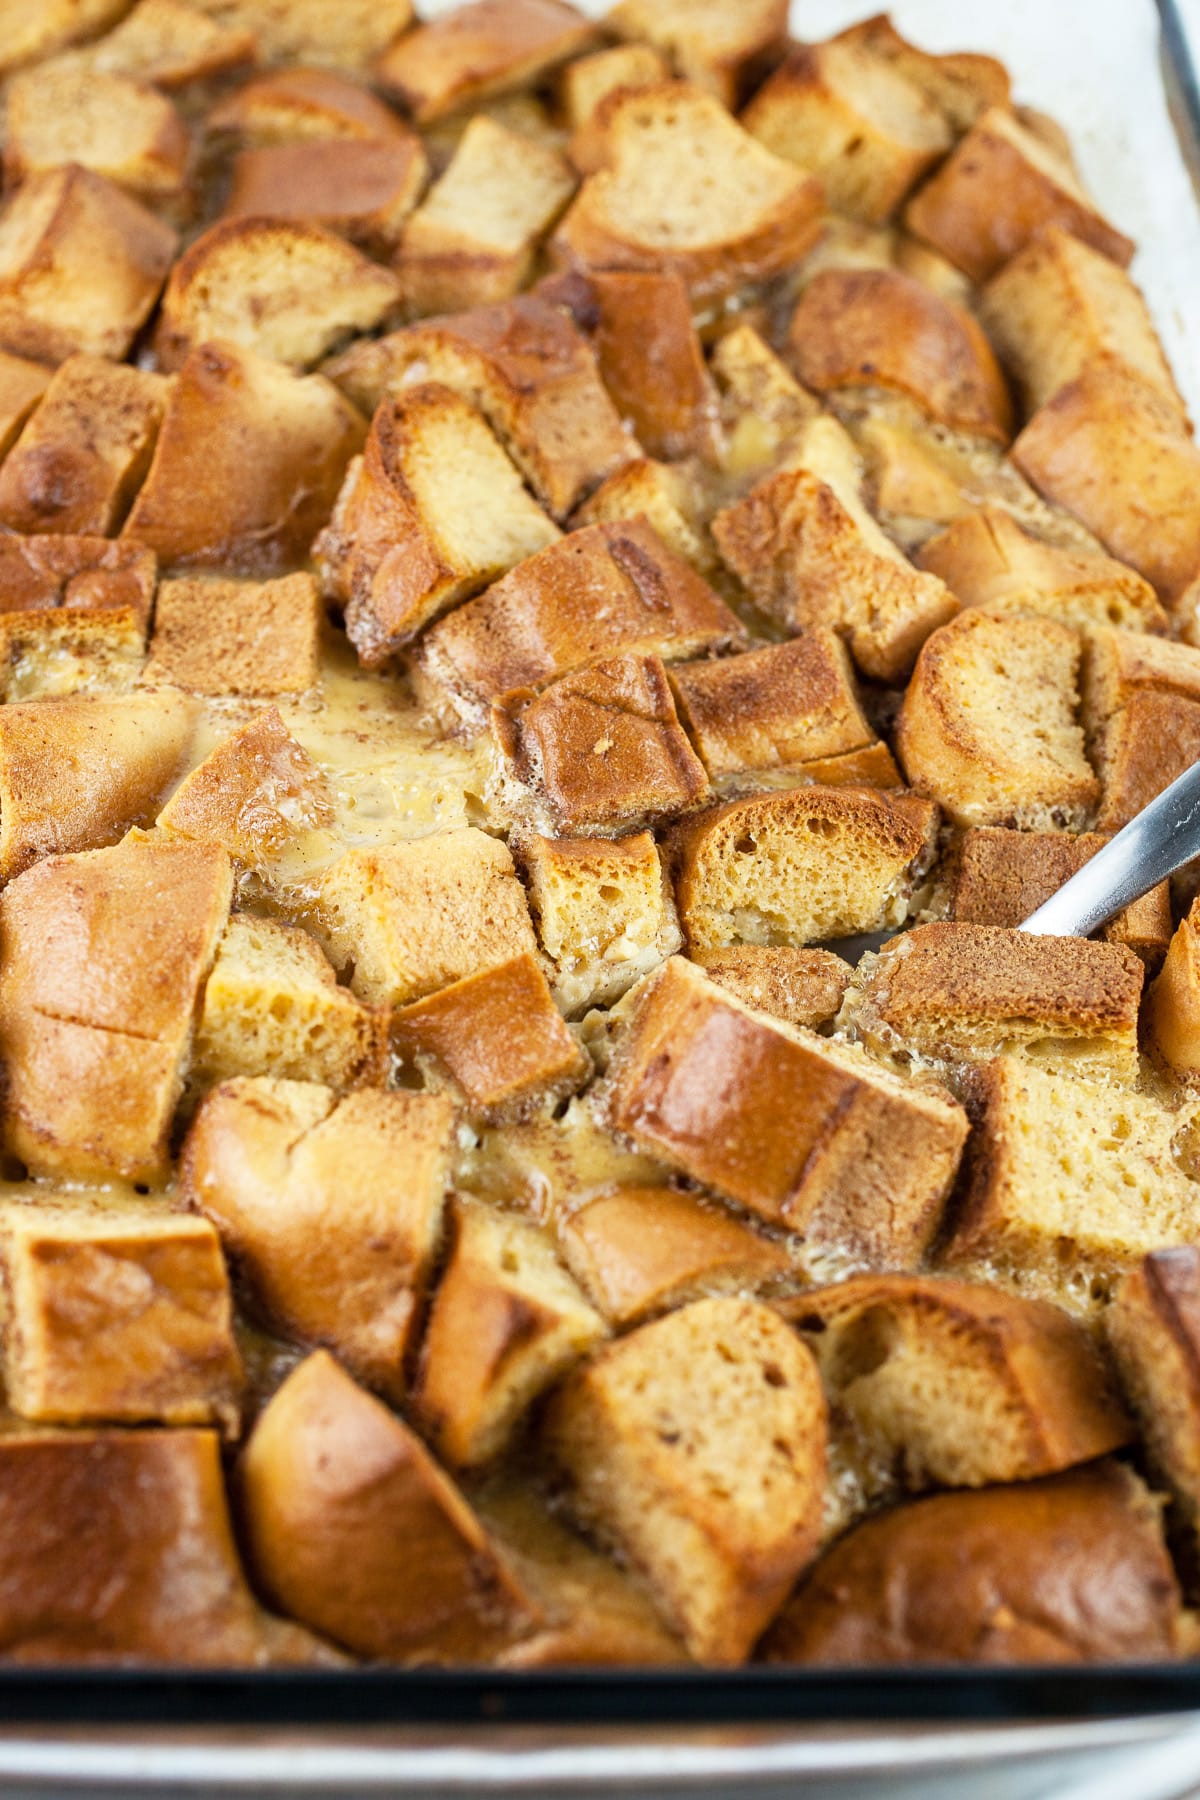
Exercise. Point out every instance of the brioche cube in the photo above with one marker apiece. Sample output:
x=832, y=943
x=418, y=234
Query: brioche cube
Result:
x=796, y=865
x=83, y=455
x=585, y=85
x=497, y=1037
x=33, y=33
x=774, y=707
x=237, y=637
x=608, y=589
x=664, y=495
x=853, y=119
x=696, y=1448
x=170, y=44
x=68, y=111
x=988, y=725
x=880, y=328
x=116, y=1314
x=352, y=1527
x=473, y=238
x=723, y=46
x=1072, y=1182
x=801, y=987
x=1153, y=1331
x=413, y=917
x=248, y=464
x=686, y=190
x=763, y=407
x=258, y=794
x=1117, y=454
x=105, y=954
x=331, y=1206
x=804, y=1133
x=961, y=84
x=432, y=512
x=480, y=50
x=604, y=913
x=73, y=614
x=652, y=363
x=641, y=1251
x=997, y=190
x=602, y=749
x=348, y=35
x=300, y=106
x=363, y=188
x=1172, y=1010
x=81, y=264
x=22, y=384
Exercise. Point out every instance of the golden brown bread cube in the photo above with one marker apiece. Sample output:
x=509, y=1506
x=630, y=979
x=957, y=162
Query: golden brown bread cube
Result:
x=77, y=773
x=363, y=188
x=237, y=637
x=652, y=363
x=665, y=495
x=724, y=46
x=331, y=1207
x=30, y=34
x=506, y=1323
x=415, y=916
x=763, y=407
x=806, y=1134
x=1142, y=711
x=170, y=44
x=606, y=589
x=83, y=455
x=81, y=265
x=105, y=953
x=640, y=1251
x=685, y=189
x=961, y=84
x=1171, y=1016
x=999, y=188
x=796, y=865
x=258, y=794
x=116, y=1315
x=477, y=51
x=801, y=987
x=880, y=328
x=404, y=544
x=73, y=614
x=69, y=111
x=585, y=84
x=303, y=105
x=603, y=911
x=249, y=460
x=696, y=1448
x=602, y=749
x=341, y=34
x=351, y=1526
x=22, y=384
x=853, y=119
x=988, y=725
x=497, y=1036
x=1071, y=1569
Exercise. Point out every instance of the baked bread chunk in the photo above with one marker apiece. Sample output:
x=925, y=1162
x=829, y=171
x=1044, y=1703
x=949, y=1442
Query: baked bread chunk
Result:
x=30, y=36
x=363, y=188
x=584, y=86
x=664, y=494
x=1142, y=710
x=721, y=45
x=237, y=637
x=258, y=794
x=960, y=83
x=22, y=384
x=801, y=987
x=478, y=51
x=299, y=106
x=171, y=45
x=69, y=111
x=652, y=363
x=1172, y=1009
x=73, y=614
x=349, y=35
x=1153, y=1331
x=764, y=409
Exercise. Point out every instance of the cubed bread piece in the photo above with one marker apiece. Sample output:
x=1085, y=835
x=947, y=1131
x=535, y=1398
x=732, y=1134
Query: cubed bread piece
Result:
x=936, y=1383
x=22, y=384
x=696, y=1448
x=1059, y=307
x=961, y=84
x=1118, y=455
x=801, y=987
x=810, y=554
x=507, y=1322
x=363, y=188
x=853, y=119
x=498, y=1038
x=473, y=239
x=81, y=264
x=1172, y=1010
x=413, y=917
x=170, y=44
x=351, y=1526
x=880, y=328
x=602, y=749
x=664, y=494
x=585, y=85
x=237, y=637
x=652, y=363
x=76, y=773
x=341, y=34
x=1153, y=1331
x=764, y=410
x=116, y=1314
x=999, y=188
x=1070, y=1569
x=277, y=287
x=258, y=794
x=1142, y=712
x=1072, y=1182
x=68, y=111
x=607, y=589
x=105, y=953
x=796, y=865
x=83, y=455
x=604, y=913
x=330, y=1207
x=986, y=559
x=988, y=725
x=686, y=190
x=33, y=33
x=432, y=512
x=640, y=1251
x=999, y=877
x=73, y=614
x=272, y=1006
x=477, y=51
x=248, y=464
x=803, y=1132
x=774, y=707
x=956, y=991
x=299, y=106
x=724, y=46
x=531, y=373
x=1122, y=664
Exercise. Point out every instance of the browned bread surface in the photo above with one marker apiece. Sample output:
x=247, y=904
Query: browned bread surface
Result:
x=479, y=50
x=257, y=794
x=237, y=637
x=1153, y=1331
x=801, y=987
x=363, y=187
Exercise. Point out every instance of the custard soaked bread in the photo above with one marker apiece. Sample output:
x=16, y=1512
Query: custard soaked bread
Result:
x=513, y=548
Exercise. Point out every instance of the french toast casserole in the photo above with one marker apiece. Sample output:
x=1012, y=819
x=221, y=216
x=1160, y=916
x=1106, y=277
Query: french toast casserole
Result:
x=518, y=533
